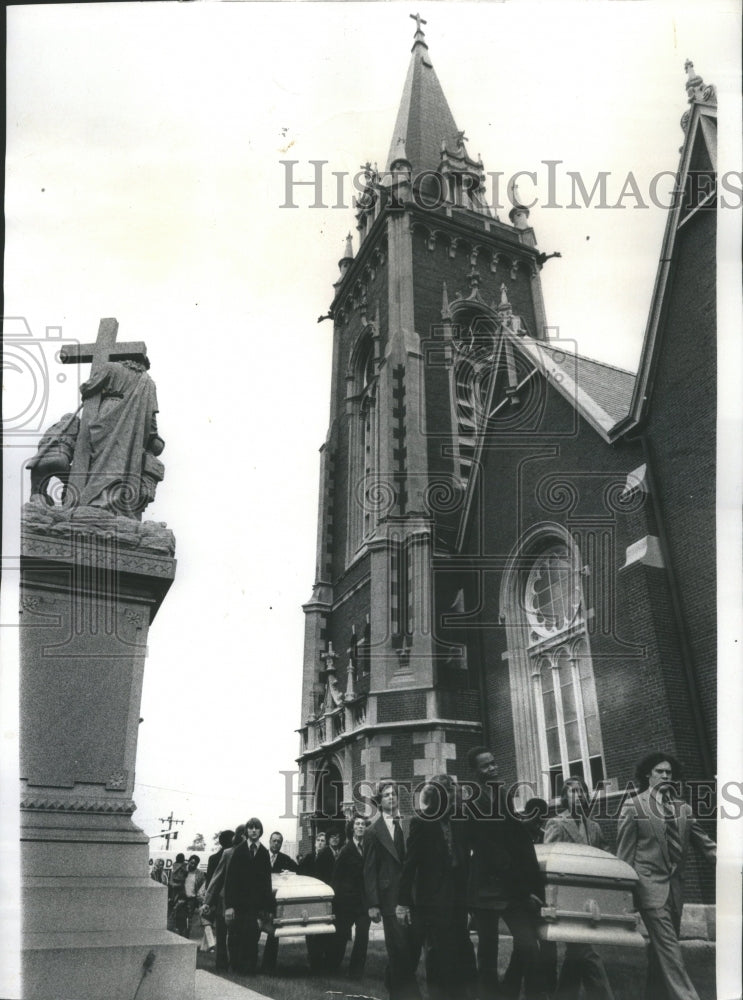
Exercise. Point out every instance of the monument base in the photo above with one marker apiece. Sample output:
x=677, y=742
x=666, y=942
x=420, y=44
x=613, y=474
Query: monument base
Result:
x=94, y=922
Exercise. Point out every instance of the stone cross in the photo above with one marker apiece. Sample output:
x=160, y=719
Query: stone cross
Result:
x=418, y=20
x=96, y=355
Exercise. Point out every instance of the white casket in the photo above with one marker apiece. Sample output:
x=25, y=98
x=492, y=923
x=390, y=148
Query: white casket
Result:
x=589, y=896
x=303, y=906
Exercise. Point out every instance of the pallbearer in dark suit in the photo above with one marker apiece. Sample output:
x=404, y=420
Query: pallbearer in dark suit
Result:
x=225, y=841
x=308, y=863
x=582, y=964
x=327, y=857
x=214, y=900
x=504, y=881
x=433, y=892
x=655, y=830
x=279, y=862
x=349, y=903
x=247, y=898
x=384, y=854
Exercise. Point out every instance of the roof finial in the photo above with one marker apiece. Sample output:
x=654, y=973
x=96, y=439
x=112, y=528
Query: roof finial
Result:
x=519, y=213
x=445, y=314
x=346, y=260
x=696, y=88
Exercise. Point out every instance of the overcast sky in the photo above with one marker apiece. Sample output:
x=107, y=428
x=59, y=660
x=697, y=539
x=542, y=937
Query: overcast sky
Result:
x=144, y=182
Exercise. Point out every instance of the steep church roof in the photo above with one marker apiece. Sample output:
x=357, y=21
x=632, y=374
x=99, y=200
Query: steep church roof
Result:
x=691, y=195
x=424, y=120
x=607, y=385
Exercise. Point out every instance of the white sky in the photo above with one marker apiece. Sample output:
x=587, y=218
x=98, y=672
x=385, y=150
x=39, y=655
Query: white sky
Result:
x=144, y=182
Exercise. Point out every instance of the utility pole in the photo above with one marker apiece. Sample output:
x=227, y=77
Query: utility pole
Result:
x=166, y=833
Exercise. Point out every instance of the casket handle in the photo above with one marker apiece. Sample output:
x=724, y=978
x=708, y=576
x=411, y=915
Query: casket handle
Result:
x=594, y=909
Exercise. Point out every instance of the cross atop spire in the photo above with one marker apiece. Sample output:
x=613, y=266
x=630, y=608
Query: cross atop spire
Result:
x=419, y=34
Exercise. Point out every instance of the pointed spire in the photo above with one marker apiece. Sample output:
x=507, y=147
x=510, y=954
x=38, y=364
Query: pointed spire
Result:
x=347, y=259
x=424, y=119
x=399, y=162
x=445, y=314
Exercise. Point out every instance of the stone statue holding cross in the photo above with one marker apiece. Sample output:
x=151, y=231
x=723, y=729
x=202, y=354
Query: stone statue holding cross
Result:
x=108, y=459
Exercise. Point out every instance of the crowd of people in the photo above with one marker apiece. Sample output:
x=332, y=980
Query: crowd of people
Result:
x=457, y=871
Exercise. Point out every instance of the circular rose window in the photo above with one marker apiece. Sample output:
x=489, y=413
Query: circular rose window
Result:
x=552, y=592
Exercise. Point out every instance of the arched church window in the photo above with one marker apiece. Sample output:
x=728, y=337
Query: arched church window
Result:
x=363, y=450
x=557, y=729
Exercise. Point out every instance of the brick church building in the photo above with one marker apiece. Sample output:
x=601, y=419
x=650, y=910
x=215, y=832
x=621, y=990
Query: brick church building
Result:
x=516, y=543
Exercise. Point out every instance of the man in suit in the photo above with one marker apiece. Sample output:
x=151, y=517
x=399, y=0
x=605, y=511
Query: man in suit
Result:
x=655, y=830
x=582, y=963
x=279, y=862
x=248, y=898
x=225, y=840
x=214, y=900
x=321, y=948
x=505, y=881
x=433, y=892
x=534, y=819
x=349, y=903
x=309, y=861
x=384, y=854
x=326, y=858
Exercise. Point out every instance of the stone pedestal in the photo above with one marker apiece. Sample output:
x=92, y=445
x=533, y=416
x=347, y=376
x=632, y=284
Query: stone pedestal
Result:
x=94, y=923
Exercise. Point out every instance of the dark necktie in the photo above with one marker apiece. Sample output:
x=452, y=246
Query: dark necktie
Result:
x=446, y=830
x=253, y=849
x=398, y=839
x=673, y=840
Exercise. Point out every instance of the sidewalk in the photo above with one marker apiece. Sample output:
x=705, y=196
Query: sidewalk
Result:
x=211, y=987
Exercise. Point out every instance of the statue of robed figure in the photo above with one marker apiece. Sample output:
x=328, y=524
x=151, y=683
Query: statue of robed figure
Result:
x=109, y=457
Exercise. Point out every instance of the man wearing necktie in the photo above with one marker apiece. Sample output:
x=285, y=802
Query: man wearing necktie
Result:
x=279, y=862
x=384, y=854
x=655, y=829
x=582, y=962
x=349, y=903
x=248, y=898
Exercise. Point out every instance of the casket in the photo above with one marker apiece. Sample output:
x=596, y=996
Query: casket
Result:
x=303, y=906
x=589, y=896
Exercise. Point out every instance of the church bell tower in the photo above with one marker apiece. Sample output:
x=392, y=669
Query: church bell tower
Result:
x=420, y=365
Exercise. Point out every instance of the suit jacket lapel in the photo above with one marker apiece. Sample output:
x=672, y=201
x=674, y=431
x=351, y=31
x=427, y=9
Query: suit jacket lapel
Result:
x=384, y=838
x=652, y=811
x=682, y=820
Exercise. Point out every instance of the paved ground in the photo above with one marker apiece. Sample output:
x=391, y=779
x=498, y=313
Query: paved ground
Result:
x=626, y=968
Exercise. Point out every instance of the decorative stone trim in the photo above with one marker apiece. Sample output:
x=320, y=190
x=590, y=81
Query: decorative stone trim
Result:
x=42, y=802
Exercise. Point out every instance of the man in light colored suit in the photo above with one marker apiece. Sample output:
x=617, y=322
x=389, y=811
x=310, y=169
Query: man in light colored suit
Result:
x=655, y=829
x=582, y=963
x=384, y=854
